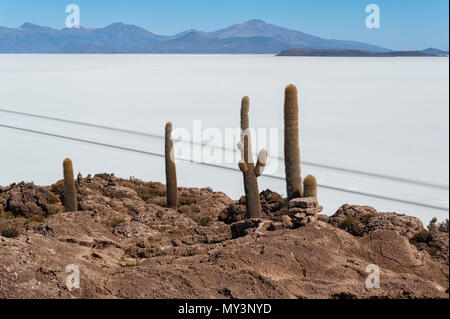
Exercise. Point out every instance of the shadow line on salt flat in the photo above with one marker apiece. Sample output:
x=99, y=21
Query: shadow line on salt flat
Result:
x=399, y=200
x=342, y=169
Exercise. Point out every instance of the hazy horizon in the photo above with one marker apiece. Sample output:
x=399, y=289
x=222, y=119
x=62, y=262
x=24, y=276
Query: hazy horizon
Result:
x=417, y=24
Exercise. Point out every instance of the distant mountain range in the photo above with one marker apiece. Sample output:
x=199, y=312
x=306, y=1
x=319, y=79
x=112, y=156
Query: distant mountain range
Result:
x=358, y=53
x=253, y=36
x=435, y=51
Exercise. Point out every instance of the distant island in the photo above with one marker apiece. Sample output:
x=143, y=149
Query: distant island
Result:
x=430, y=52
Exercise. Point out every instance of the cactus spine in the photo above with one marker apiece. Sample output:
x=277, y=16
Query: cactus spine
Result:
x=171, y=174
x=291, y=144
x=70, y=197
x=310, y=187
x=246, y=165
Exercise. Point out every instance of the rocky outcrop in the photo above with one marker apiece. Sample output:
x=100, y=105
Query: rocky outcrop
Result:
x=128, y=244
x=303, y=210
x=27, y=200
x=273, y=207
x=360, y=220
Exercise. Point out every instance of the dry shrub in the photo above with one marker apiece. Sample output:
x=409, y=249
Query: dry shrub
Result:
x=186, y=200
x=423, y=236
x=349, y=221
x=443, y=227
x=116, y=221
x=7, y=215
x=204, y=220
x=432, y=225
x=186, y=210
x=58, y=187
x=36, y=219
x=145, y=191
x=9, y=230
x=52, y=199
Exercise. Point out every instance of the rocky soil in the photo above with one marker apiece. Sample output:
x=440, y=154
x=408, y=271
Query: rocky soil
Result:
x=127, y=244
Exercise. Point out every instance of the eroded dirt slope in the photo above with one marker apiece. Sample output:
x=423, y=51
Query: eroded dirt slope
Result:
x=127, y=244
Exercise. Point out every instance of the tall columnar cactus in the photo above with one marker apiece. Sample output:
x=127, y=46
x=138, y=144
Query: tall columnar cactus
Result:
x=310, y=187
x=291, y=144
x=70, y=196
x=247, y=166
x=171, y=173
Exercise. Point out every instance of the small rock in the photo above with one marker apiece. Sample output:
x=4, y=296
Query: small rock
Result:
x=310, y=219
x=120, y=192
x=304, y=202
x=300, y=215
x=275, y=226
x=307, y=211
x=287, y=221
x=299, y=219
x=239, y=229
x=323, y=218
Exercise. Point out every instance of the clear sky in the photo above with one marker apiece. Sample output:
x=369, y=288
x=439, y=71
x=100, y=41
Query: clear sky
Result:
x=404, y=24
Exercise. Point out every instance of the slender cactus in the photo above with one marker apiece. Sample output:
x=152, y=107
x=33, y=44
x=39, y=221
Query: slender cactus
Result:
x=291, y=144
x=310, y=187
x=171, y=173
x=70, y=196
x=247, y=166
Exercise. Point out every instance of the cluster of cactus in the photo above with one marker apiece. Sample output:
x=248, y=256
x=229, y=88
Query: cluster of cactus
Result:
x=249, y=170
x=294, y=186
x=70, y=197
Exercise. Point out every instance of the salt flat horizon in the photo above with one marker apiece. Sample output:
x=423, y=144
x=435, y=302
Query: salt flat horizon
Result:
x=385, y=116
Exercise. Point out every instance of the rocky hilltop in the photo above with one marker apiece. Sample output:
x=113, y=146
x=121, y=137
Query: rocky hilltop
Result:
x=128, y=244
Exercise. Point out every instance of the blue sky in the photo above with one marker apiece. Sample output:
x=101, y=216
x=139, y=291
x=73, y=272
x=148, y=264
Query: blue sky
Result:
x=405, y=24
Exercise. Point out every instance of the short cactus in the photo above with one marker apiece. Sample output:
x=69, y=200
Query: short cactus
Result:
x=261, y=163
x=310, y=187
x=171, y=174
x=70, y=196
x=291, y=144
x=246, y=165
